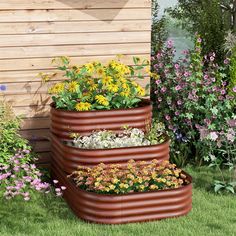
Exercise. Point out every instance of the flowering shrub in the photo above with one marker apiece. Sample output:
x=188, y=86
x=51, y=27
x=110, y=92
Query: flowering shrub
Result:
x=128, y=138
x=136, y=177
x=191, y=96
x=10, y=140
x=18, y=176
x=97, y=86
x=222, y=152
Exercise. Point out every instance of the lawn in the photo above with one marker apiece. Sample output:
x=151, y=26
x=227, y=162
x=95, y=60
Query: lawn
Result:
x=211, y=215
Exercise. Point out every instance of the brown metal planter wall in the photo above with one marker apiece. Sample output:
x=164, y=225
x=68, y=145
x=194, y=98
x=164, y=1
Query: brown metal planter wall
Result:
x=65, y=122
x=68, y=158
x=118, y=209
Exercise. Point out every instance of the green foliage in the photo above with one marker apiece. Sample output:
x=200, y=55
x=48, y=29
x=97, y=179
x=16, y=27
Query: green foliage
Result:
x=159, y=32
x=97, y=86
x=206, y=18
x=10, y=140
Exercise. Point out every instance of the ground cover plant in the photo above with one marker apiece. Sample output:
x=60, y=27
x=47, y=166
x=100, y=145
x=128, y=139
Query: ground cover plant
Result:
x=135, y=177
x=129, y=137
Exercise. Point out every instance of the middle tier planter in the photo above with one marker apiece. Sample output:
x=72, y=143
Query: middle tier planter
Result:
x=69, y=158
x=63, y=122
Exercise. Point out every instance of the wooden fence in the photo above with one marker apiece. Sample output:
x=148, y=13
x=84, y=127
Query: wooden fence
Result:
x=32, y=32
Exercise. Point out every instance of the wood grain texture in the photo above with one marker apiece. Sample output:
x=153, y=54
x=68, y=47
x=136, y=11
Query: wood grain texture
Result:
x=32, y=32
x=73, y=50
x=28, y=28
x=72, y=4
x=74, y=15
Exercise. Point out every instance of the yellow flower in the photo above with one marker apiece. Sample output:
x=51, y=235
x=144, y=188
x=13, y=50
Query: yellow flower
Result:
x=89, y=67
x=115, y=181
x=100, y=71
x=107, y=80
x=97, y=184
x=112, y=88
x=72, y=86
x=102, y=100
x=142, y=187
x=112, y=187
x=92, y=86
x=57, y=88
x=126, y=186
x=83, y=106
x=125, y=93
x=141, y=91
x=152, y=187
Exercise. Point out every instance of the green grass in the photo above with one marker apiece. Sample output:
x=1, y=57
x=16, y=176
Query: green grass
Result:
x=211, y=215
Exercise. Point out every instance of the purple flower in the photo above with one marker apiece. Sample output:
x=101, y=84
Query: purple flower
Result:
x=226, y=61
x=234, y=89
x=158, y=81
x=3, y=87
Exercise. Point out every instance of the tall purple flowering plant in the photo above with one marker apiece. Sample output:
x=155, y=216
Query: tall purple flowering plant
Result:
x=192, y=99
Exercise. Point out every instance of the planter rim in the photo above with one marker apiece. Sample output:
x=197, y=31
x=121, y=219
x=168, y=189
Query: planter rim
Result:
x=167, y=140
x=189, y=178
x=143, y=102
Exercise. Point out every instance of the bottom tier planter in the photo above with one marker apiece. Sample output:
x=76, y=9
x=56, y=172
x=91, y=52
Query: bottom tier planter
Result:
x=69, y=158
x=127, y=208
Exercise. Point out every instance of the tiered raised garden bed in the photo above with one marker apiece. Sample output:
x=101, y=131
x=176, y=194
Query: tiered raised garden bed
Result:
x=69, y=158
x=126, y=208
x=66, y=122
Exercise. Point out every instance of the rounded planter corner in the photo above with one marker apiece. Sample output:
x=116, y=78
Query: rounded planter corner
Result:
x=127, y=208
x=68, y=158
x=63, y=122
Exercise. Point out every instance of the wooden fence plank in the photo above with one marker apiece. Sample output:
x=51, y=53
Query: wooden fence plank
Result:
x=74, y=50
x=74, y=15
x=71, y=4
x=74, y=39
x=13, y=67
x=74, y=27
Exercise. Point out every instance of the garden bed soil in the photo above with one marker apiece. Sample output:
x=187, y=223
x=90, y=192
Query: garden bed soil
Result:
x=63, y=122
x=68, y=158
x=127, y=208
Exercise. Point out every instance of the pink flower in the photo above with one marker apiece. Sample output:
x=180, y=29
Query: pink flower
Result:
x=234, y=89
x=179, y=102
x=63, y=188
x=223, y=92
x=158, y=82
x=167, y=117
x=159, y=99
x=177, y=88
x=177, y=113
x=176, y=66
x=55, y=181
x=212, y=58
x=199, y=40
x=163, y=89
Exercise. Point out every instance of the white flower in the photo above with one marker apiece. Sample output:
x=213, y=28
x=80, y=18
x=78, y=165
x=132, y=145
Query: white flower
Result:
x=213, y=136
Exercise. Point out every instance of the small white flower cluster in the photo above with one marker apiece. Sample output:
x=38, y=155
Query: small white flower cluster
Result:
x=108, y=139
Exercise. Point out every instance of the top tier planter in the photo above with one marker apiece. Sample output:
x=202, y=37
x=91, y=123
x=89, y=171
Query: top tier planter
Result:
x=63, y=122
